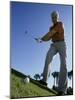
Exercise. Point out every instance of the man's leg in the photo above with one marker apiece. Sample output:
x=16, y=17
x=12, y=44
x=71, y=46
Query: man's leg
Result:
x=62, y=85
x=51, y=52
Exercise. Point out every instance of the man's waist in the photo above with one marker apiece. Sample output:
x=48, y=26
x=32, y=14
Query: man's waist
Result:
x=58, y=40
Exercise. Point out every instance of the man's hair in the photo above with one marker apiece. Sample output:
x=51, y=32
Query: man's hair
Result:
x=55, y=14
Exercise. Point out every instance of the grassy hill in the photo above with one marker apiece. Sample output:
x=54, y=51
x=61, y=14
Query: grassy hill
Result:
x=33, y=89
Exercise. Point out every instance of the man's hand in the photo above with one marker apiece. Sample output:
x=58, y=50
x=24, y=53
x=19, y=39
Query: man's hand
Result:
x=38, y=40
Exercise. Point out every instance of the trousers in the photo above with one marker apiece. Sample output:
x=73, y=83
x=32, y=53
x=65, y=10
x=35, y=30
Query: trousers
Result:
x=57, y=47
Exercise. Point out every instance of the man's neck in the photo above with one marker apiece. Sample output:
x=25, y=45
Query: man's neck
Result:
x=55, y=23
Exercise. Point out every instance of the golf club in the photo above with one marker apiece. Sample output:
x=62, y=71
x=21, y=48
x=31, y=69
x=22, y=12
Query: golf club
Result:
x=37, y=39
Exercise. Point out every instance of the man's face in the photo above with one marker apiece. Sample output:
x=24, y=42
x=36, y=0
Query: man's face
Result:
x=54, y=19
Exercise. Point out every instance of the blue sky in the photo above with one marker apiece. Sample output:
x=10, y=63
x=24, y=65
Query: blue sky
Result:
x=27, y=55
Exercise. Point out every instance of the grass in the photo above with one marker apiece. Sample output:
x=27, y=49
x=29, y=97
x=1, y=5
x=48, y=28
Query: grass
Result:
x=33, y=89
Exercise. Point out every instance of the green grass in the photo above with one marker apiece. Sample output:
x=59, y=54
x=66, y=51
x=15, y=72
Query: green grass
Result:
x=20, y=90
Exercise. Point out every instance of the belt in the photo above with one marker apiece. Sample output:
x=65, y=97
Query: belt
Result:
x=58, y=40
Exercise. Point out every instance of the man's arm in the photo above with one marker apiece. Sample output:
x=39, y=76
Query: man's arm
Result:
x=59, y=28
x=48, y=36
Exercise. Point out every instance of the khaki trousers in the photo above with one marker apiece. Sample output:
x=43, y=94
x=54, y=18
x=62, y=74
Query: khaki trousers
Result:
x=57, y=47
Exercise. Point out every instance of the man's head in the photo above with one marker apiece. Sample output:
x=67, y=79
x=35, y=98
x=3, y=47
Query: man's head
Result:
x=54, y=16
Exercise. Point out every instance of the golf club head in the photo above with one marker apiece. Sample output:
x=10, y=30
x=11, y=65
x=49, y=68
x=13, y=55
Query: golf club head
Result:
x=26, y=32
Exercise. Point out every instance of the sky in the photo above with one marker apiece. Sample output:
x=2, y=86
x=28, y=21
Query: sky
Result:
x=28, y=56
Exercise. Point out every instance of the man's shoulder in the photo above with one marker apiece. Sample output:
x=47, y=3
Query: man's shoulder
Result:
x=59, y=23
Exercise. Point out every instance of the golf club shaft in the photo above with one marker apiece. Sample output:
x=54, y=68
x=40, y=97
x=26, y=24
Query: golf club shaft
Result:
x=26, y=32
x=36, y=39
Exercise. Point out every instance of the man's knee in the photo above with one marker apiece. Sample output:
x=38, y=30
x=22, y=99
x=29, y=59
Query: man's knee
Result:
x=63, y=59
x=49, y=55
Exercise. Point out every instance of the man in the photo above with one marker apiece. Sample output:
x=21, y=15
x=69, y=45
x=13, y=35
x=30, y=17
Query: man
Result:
x=56, y=34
